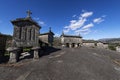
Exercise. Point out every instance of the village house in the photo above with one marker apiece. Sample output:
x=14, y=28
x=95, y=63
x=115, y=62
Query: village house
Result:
x=102, y=45
x=46, y=39
x=71, y=40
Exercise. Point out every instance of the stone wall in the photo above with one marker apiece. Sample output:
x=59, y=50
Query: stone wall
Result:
x=43, y=38
x=89, y=44
x=71, y=40
x=118, y=48
x=46, y=38
x=25, y=33
x=102, y=45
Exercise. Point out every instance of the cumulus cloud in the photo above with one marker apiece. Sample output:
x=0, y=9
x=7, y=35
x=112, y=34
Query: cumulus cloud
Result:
x=86, y=14
x=83, y=31
x=78, y=23
x=40, y=22
x=98, y=20
x=83, y=25
x=74, y=15
x=75, y=24
x=88, y=26
x=66, y=30
x=103, y=16
x=57, y=35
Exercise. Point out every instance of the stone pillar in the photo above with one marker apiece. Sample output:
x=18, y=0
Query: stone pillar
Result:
x=32, y=34
x=76, y=45
x=70, y=45
x=36, y=52
x=63, y=45
x=14, y=57
x=22, y=33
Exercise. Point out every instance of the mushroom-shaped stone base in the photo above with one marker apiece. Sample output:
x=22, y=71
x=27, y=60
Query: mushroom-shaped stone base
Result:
x=36, y=52
x=13, y=54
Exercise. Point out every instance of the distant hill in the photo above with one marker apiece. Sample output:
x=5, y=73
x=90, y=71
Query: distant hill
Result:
x=89, y=41
x=110, y=40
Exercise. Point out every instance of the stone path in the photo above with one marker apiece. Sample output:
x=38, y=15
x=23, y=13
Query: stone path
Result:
x=67, y=64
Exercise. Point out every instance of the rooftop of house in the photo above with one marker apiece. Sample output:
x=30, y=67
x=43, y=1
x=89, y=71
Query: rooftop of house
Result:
x=28, y=19
x=50, y=32
x=76, y=36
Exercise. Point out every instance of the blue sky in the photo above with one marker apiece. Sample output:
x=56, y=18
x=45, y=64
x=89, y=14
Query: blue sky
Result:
x=93, y=19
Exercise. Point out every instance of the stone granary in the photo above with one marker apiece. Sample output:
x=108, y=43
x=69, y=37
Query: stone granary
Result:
x=71, y=40
x=46, y=39
x=26, y=32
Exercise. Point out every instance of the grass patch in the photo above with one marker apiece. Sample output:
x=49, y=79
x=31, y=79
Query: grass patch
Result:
x=26, y=49
x=112, y=47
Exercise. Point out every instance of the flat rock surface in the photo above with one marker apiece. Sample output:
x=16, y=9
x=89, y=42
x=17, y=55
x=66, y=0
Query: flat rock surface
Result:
x=66, y=64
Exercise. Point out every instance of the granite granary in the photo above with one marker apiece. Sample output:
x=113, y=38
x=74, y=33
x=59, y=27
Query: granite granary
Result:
x=71, y=40
x=26, y=35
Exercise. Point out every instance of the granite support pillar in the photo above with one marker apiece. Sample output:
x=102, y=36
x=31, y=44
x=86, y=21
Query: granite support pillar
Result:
x=14, y=55
x=70, y=45
x=76, y=45
x=80, y=45
x=63, y=45
x=36, y=52
x=32, y=34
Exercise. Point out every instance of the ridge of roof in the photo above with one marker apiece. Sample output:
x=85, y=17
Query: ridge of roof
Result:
x=26, y=19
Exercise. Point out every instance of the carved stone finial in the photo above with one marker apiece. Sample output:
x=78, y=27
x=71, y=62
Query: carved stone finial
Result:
x=79, y=34
x=49, y=29
x=62, y=32
x=29, y=13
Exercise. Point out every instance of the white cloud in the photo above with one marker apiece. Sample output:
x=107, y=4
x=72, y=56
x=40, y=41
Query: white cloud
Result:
x=88, y=26
x=83, y=10
x=83, y=31
x=80, y=25
x=57, y=35
x=73, y=21
x=98, y=20
x=86, y=14
x=36, y=18
x=40, y=22
x=75, y=24
x=66, y=30
x=74, y=15
x=103, y=16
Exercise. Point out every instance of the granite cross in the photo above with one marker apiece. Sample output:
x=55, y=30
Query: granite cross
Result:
x=28, y=13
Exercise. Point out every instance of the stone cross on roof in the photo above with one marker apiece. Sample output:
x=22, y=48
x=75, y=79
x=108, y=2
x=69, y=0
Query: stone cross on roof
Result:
x=29, y=13
x=49, y=29
x=62, y=32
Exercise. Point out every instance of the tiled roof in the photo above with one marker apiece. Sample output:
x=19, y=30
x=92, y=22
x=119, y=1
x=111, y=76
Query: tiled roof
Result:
x=71, y=36
x=26, y=19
